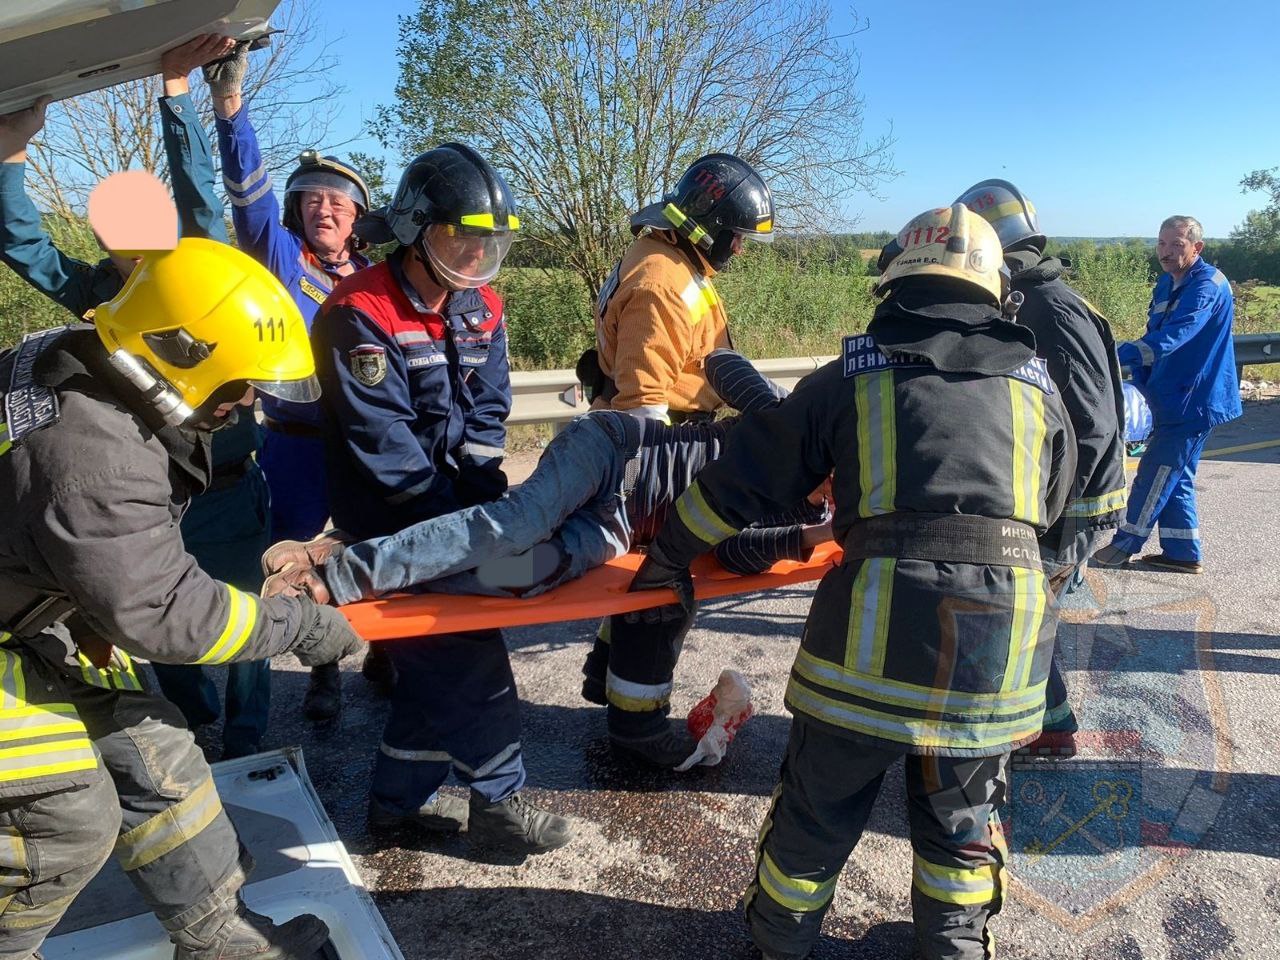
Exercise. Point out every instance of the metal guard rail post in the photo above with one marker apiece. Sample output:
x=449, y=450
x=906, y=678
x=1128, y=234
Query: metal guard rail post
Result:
x=554, y=396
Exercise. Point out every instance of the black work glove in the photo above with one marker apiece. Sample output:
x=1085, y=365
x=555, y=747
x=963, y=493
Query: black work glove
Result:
x=656, y=572
x=326, y=637
x=480, y=482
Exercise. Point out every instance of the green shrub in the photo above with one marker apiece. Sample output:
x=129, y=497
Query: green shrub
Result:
x=1115, y=279
x=549, y=317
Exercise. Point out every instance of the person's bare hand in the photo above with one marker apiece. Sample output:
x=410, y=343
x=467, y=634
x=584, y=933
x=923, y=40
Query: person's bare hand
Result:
x=17, y=129
x=178, y=62
x=815, y=534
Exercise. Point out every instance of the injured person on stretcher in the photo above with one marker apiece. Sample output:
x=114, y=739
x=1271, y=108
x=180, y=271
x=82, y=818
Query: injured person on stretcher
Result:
x=603, y=485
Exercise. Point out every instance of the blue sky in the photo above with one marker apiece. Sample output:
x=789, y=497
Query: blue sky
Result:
x=1109, y=115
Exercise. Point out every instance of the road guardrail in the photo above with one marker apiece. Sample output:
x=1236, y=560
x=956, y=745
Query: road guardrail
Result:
x=555, y=396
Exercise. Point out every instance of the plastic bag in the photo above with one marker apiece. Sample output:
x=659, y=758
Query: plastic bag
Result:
x=717, y=718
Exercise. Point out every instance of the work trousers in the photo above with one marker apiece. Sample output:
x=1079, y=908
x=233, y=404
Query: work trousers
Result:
x=227, y=531
x=1061, y=566
x=454, y=708
x=640, y=651
x=295, y=470
x=155, y=804
x=1164, y=494
x=829, y=784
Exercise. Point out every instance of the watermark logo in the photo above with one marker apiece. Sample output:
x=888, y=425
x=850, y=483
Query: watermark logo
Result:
x=1092, y=833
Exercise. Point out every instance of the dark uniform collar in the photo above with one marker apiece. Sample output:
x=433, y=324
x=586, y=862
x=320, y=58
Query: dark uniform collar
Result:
x=463, y=309
x=77, y=363
x=956, y=334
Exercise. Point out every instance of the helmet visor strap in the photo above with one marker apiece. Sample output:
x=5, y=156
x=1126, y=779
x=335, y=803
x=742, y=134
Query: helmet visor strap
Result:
x=462, y=258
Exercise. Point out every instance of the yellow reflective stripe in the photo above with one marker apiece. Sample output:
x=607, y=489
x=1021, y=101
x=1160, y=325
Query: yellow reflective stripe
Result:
x=487, y=221
x=5, y=442
x=9, y=662
x=674, y=214
x=169, y=829
x=59, y=756
x=918, y=731
x=765, y=226
x=794, y=893
x=703, y=522
x=962, y=886
x=242, y=617
x=913, y=696
x=1030, y=596
x=42, y=730
x=19, y=916
x=700, y=297
x=1010, y=208
x=877, y=442
x=696, y=235
x=1097, y=506
x=635, y=697
x=869, y=616
x=1027, y=408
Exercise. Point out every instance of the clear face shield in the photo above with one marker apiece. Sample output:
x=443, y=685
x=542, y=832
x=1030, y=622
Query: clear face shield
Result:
x=298, y=391
x=465, y=257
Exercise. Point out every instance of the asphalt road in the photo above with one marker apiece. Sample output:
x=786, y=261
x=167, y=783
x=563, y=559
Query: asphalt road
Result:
x=1161, y=841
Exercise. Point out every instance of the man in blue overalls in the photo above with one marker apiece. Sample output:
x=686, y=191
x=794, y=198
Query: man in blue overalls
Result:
x=1185, y=365
x=225, y=527
x=309, y=252
x=412, y=358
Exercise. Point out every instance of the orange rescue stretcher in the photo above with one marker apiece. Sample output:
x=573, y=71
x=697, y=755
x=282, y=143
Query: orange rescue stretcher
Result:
x=597, y=593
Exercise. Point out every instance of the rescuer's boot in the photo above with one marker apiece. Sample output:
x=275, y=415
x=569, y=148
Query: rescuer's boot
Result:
x=323, y=699
x=379, y=669
x=668, y=747
x=441, y=814
x=517, y=825
x=237, y=933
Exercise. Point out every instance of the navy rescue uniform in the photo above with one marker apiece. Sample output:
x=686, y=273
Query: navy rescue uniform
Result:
x=950, y=452
x=93, y=572
x=1076, y=344
x=416, y=403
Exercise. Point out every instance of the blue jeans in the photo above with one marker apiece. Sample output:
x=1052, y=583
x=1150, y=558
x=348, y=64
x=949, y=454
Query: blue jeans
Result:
x=575, y=498
x=227, y=532
x=1164, y=494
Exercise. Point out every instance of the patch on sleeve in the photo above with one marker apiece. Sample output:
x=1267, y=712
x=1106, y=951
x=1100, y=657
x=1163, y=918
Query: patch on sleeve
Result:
x=368, y=364
x=1035, y=372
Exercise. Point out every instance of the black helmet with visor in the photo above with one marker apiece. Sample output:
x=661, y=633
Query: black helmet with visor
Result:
x=454, y=208
x=718, y=198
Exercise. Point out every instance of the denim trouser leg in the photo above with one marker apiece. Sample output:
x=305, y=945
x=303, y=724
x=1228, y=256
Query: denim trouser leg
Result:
x=582, y=464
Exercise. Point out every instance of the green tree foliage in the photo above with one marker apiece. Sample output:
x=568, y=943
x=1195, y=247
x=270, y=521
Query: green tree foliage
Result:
x=1254, y=251
x=593, y=107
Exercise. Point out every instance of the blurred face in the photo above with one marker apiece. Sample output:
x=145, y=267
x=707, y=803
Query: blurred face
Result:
x=1176, y=252
x=327, y=218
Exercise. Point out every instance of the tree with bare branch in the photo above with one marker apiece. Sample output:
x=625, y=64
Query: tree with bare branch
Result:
x=91, y=136
x=592, y=107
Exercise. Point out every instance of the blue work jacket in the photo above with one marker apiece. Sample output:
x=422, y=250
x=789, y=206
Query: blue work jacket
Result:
x=255, y=211
x=416, y=400
x=1185, y=364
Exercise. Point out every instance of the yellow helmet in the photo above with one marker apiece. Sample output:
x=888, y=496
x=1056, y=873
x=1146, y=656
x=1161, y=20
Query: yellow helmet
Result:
x=199, y=317
x=948, y=242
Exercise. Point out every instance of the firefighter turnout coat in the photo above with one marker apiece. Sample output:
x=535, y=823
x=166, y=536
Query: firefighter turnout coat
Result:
x=657, y=319
x=934, y=635
x=92, y=490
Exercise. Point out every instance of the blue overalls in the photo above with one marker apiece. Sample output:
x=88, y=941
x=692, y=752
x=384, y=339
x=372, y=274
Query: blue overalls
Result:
x=416, y=403
x=293, y=446
x=226, y=528
x=1185, y=366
